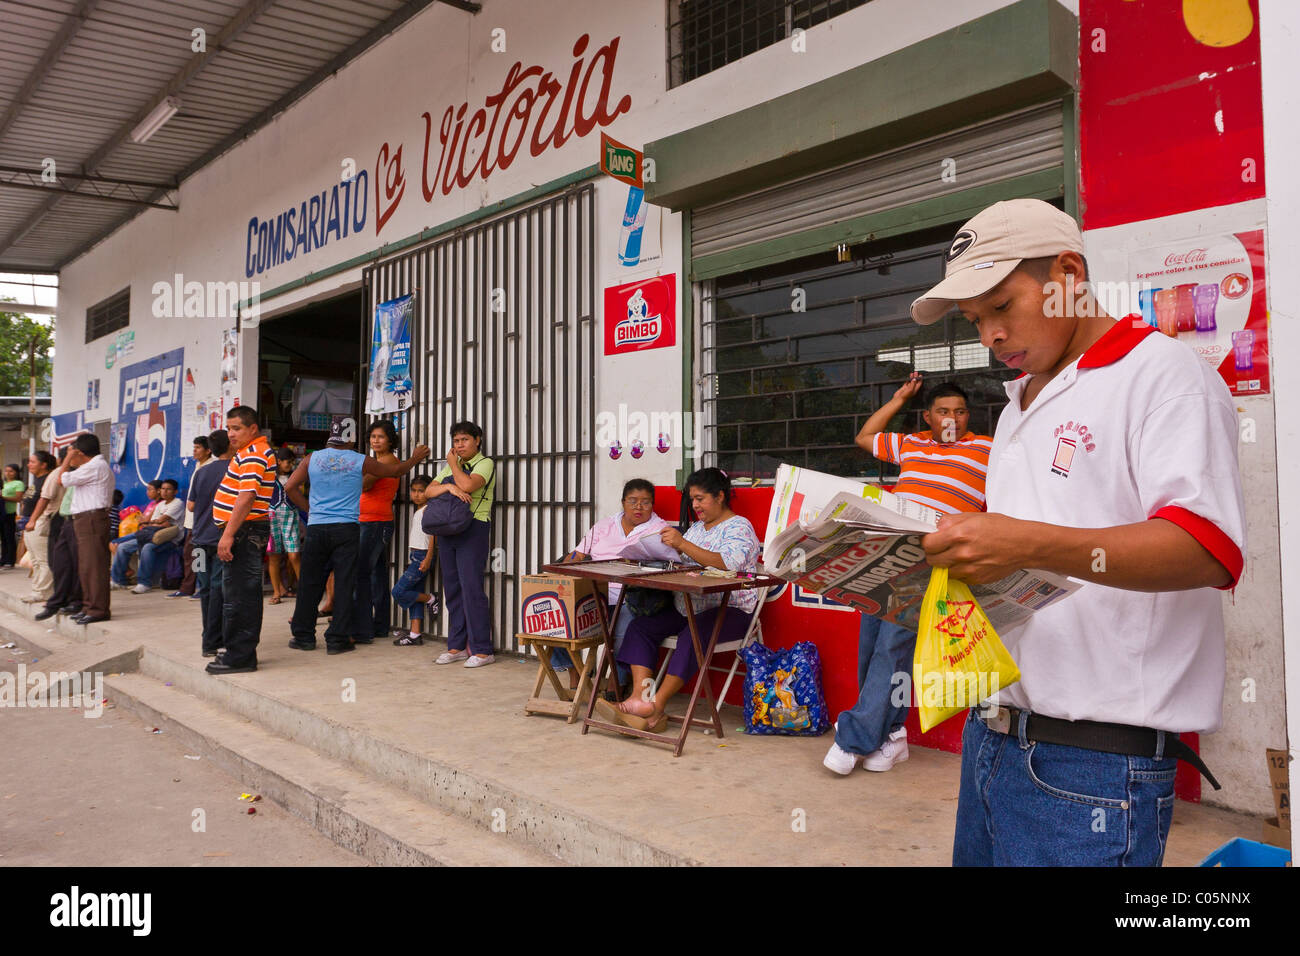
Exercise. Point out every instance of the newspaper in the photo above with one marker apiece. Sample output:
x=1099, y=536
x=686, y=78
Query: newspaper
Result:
x=861, y=546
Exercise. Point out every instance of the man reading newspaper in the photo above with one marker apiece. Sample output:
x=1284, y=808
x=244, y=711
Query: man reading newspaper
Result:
x=1115, y=462
x=942, y=468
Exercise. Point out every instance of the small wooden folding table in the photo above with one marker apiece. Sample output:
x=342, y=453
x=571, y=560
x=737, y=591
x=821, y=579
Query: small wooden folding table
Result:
x=688, y=582
x=570, y=701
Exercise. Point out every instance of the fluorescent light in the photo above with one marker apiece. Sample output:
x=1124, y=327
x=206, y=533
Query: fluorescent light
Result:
x=159, y=115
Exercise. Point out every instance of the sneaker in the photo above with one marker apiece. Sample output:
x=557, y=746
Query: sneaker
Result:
x=894, y=750
x=193, y=597
x=451, y=657
x=839, y=760
x=407, y=639
x=179, y=594
x=477, y=661
x=433, y=604
x=141, y=589
x=119, y=587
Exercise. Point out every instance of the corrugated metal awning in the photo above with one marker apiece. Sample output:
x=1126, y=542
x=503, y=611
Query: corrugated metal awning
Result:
x=78, y=76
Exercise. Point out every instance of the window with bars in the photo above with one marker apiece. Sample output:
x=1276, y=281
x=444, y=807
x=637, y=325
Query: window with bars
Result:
x=797, y=356
x=704, y=35
x=108, y=316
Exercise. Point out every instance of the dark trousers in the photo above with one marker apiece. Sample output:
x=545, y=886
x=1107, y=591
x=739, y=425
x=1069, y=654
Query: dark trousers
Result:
x=93, y=560
x=645, y=634
x=241, y=599
x=463, y=560
x=325, y=547
x=189, y=578
x=8, y=539
x=210, y=576
x=370, y=606
x=63, y=563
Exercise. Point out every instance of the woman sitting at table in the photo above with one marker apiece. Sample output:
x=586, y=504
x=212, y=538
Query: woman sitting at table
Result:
x=720, y=538
x=605, y=541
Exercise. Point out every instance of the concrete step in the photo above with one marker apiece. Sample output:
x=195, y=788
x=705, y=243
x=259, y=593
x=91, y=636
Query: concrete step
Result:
x=377, y=821
x=552, y=829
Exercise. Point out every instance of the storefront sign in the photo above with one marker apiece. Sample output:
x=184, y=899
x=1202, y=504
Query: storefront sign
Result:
x=641, y=315
x=621, y=162
x=302, y=228
x=1209, y=292
x=149, y=404
x=390, y=357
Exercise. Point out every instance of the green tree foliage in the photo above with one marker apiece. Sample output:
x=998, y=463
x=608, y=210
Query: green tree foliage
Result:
x=16, y=333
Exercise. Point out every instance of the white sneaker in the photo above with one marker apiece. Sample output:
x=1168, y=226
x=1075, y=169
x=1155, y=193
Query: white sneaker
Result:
x=477, y=661
x=840, y=761
x=141, y=589
x=119, y=587
x=451, y=657
x=894, y=750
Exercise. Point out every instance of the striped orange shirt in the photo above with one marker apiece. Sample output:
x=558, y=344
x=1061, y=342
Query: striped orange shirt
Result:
x=948, y=477
x=252, y=469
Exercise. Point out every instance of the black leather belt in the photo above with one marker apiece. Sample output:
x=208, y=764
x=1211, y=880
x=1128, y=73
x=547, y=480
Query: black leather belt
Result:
x=1091, y=735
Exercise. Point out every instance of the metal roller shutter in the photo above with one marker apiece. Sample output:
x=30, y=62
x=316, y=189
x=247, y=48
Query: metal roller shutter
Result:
x=1027, y=141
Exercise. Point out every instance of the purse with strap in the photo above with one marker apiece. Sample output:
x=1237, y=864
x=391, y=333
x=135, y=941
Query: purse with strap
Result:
x=447, y=514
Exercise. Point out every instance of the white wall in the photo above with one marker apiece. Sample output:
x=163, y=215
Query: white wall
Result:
x=1279, y=32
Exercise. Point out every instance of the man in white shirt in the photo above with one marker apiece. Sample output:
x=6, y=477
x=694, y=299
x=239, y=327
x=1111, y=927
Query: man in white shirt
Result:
x=88, y=472
x=1115, y=463
x=169, y=512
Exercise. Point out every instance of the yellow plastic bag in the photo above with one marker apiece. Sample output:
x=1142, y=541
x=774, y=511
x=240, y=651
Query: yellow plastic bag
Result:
x=959, y=658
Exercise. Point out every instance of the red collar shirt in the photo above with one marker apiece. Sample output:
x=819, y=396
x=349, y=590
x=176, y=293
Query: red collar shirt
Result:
x=1138, y=428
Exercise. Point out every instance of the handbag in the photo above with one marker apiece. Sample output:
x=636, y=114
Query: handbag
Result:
x=447, y=514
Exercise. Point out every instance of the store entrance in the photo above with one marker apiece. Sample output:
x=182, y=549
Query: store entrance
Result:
x=307, y=371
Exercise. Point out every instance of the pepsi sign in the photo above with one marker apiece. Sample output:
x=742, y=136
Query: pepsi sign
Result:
x=149, y=404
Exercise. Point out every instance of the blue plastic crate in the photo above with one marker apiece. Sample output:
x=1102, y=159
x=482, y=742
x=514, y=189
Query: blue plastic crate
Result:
x=1242, y=852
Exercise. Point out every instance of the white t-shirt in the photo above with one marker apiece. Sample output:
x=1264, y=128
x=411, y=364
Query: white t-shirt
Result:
x=419, y=541
x=171, y=509
x=1139, y=428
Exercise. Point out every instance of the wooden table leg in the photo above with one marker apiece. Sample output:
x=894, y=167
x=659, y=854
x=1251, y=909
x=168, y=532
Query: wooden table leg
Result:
x=702, y=677
x=606, y=659
x=584, y=681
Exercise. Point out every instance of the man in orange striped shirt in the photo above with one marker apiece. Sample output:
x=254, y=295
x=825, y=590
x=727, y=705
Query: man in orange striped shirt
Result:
x=943, y=468
x=241, y=508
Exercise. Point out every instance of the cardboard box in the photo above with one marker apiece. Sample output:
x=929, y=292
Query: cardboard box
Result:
x=556, y=605
x=1278, y=782
x=1274, y=835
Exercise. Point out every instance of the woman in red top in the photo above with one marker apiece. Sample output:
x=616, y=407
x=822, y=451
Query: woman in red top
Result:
x=370, y=607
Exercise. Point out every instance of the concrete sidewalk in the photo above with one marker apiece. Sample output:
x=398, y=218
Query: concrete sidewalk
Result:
x=393, y=756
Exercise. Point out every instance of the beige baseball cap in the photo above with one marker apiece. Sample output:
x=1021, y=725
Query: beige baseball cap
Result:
x=989, y=246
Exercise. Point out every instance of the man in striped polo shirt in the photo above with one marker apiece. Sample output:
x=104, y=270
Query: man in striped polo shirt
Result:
x=241, y=509
x=942, y=468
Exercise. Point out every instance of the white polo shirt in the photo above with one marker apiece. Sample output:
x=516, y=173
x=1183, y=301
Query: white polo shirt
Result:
x=1138, y=428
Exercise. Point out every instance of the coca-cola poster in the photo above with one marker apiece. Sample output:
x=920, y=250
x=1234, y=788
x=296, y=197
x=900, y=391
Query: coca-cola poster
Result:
x=1208, y=292
x=641, y=315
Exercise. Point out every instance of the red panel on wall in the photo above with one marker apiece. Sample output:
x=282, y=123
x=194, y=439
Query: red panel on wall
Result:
x=790, y=617
x=1168, y=123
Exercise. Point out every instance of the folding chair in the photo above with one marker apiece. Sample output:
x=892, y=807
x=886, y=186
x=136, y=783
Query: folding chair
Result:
x=753, y=634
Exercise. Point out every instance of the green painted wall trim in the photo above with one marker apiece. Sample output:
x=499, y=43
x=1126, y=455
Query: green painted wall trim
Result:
x=1021, y=55
x=388, y=248
x=954, y=207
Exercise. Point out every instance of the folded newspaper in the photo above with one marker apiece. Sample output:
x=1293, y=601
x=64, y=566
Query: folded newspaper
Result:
x=860, y=545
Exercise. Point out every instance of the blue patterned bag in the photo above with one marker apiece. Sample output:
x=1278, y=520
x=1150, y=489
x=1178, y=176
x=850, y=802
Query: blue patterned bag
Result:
x=783, y=691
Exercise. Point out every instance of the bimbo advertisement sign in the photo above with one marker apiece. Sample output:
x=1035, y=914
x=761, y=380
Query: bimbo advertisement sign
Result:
x=641, y=315
x=149, y=404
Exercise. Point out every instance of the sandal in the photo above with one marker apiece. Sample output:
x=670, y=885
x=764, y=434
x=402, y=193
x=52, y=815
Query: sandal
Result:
x=275, y=599
x=657, y=726
x=616, y=715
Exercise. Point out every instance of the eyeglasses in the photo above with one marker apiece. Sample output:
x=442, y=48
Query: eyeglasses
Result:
x=638, y=504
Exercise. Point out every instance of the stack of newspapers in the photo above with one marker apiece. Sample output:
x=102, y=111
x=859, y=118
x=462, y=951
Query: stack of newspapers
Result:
x=861, y=546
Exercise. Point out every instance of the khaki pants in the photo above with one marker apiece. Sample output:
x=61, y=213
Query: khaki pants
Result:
x=37, y=540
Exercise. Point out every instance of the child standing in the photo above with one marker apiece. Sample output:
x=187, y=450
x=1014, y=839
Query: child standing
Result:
x=943, y=468
x=285, y=539
x=408, y=590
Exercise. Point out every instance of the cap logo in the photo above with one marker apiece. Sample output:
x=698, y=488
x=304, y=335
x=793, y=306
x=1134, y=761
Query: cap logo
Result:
x=960, y=243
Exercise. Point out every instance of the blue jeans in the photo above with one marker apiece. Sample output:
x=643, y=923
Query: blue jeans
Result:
x=1024, y=803
x=561, y=661
x=884, y=649
x=126, y=547
x=463, y=560
x=152, y=557
x=410, y=586
x=370, y=602
x=210, y=573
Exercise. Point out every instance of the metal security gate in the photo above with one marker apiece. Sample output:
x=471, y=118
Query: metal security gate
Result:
x=504, y=335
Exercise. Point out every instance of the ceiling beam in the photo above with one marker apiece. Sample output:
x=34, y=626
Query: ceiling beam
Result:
x=71, y=24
